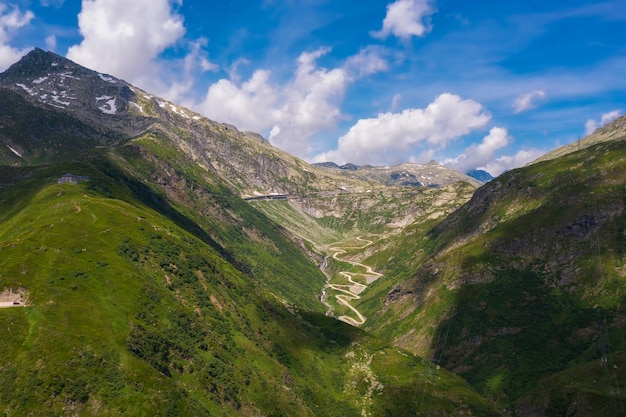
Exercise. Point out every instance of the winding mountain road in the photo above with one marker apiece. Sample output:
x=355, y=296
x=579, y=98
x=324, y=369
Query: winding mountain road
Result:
x=350, y=292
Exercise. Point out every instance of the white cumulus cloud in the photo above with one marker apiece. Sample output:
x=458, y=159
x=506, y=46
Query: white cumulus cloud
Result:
x=294, y=111
x=480, y=154
x=527, y=101
x=51, y=43
x=369, y=60
x=123, y=37
x=248, y=105
x=177, y=84
x=504, y=163
x=392, y=137
x=10, y=21
x=592, y=125
x=406, y=18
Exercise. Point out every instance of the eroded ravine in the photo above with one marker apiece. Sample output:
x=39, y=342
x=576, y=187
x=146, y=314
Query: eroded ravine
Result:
x=351, y=291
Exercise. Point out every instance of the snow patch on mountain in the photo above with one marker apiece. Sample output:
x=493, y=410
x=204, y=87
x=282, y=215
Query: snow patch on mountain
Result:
x=23, y=87
x=65, y=75
x=43, y=89
x=178, y=111
x=107, y=78
x=109, y=107
x=136, y=105
x=14, y=151
x=57, y=99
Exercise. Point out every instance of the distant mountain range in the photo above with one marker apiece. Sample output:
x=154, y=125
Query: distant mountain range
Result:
x=406, y=174
x=157, y=284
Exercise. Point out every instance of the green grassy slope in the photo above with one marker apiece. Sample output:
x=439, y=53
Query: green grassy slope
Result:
x=161, y=169
x=130, y=314
x=170, y=182
x=309, y=228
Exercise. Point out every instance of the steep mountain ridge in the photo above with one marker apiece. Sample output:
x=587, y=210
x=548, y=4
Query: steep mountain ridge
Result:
x=614, y=130
x=120, y=111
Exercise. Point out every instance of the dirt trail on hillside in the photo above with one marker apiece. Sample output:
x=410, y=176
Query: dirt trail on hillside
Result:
x=350, y=292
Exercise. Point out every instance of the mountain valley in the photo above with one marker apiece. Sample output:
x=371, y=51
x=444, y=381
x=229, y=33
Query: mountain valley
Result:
x=187, y=268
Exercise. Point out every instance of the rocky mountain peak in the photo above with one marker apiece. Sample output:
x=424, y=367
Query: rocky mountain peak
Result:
x=35, y=63
x=50, y=79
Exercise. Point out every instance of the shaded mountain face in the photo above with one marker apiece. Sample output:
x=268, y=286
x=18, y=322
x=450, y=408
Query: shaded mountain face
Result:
x=150, y=287
x=31, y=135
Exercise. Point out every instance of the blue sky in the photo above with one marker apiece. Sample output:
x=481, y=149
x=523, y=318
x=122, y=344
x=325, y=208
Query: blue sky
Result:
x=485, y=84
